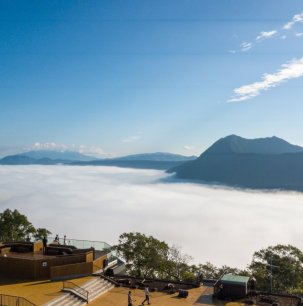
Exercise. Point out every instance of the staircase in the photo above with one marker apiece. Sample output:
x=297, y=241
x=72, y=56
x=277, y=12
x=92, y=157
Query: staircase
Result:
x=67, y=299
x=96, y=287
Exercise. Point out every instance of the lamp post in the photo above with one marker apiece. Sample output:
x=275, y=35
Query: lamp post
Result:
x=270, y=276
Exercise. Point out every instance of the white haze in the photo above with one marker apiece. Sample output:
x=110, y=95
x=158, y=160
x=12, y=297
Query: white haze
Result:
x=220, y=225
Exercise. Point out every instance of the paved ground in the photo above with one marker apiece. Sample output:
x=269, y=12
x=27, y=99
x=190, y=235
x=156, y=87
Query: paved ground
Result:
x=38, y=292
x=41, y=292
x=206, y=297
x=118, y=297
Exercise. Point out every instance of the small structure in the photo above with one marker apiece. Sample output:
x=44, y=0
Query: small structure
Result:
x=231, y=287
x=38, y=260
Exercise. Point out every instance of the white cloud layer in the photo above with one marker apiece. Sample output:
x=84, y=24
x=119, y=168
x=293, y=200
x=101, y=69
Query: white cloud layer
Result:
x=265, y=35
x=299, y=34
x=188, y=148
x=49, y=146
x=298, y=18
x=288, y=71
x=245, y=46
x=223, y=226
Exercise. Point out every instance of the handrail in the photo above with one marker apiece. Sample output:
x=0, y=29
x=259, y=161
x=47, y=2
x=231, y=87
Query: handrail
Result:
x=112, y=263
x=109, y=279
x=224, y=272
x=14, y=300
x=75, y=289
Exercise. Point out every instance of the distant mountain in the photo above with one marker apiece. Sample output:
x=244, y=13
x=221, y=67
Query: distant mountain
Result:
x=25, y=160
x=44, y=157
x=159, y=156
x=160, y=161
x=235, y=144
x=55, y=155
x=139, y=164
x=264, y=163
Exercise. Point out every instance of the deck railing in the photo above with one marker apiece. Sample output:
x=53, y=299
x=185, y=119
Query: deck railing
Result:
x=82, y=244
x=75, y=289
x=11, y=300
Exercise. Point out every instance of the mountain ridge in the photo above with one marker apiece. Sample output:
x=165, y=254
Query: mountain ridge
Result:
x=158, y=160
x=157, y=156
x=67, y=155
x=237, y=144
x=264, y=163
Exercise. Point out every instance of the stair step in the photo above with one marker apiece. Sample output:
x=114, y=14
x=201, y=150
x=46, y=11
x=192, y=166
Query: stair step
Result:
x=95, y=287
x=98, y=293
x=91, y=284
x=58, y=300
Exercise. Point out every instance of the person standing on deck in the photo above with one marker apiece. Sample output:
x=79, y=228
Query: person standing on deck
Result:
x=146, y=291
x=130, y=299
x=44, y=241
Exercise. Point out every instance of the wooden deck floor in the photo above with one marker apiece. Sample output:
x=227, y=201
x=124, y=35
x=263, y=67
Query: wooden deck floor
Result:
x=118, y=297
x=38, y=292
x=41, y=292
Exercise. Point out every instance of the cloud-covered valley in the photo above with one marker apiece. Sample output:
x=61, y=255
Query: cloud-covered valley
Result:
x=220, y=225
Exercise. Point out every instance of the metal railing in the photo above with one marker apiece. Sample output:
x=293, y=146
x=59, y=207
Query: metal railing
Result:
x=102, y=275
x=82, y=244
x=11, y=300
x=76, y=290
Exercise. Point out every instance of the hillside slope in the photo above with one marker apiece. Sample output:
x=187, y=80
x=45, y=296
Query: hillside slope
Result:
x=266, y=163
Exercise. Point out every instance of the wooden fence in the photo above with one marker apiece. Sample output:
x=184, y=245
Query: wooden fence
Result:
x=70, y=271
x=42, y=268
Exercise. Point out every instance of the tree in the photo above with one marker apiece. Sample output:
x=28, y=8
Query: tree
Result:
x=145, y=256
x=40, y=233
x=287, y=273
x=207, y=270
x=177, y=265
x=14, y=226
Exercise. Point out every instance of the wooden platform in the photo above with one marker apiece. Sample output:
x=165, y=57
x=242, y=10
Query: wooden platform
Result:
x=28, y=256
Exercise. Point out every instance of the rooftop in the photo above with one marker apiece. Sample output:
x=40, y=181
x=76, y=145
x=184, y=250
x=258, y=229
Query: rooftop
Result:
x=234, y=279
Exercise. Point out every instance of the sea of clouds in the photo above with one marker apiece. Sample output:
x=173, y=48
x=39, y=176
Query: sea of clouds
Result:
x=221, y=225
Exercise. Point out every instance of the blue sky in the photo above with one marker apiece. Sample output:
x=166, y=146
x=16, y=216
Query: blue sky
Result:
x=120, y=77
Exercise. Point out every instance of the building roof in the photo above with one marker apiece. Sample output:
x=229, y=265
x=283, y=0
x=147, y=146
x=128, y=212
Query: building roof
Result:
x=234, y=279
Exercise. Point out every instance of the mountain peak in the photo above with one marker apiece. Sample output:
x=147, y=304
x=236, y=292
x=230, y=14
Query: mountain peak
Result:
x=265, y=163
x=234, y=144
